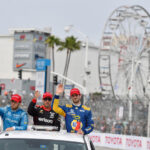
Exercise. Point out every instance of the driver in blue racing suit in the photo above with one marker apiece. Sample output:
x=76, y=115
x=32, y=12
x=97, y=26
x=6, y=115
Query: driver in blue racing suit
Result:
x=14, y=118
x=78, y=117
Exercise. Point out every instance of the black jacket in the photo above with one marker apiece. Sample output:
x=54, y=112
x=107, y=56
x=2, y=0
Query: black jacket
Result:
x=42, y=116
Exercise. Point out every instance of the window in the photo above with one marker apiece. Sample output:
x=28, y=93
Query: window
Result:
x=37, y=144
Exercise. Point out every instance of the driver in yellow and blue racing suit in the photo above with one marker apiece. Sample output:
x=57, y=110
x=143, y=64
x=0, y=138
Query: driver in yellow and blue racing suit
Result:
x=78, y=117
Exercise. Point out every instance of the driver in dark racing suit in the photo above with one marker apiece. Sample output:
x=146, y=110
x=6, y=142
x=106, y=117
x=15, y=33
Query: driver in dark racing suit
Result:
x=44, y=115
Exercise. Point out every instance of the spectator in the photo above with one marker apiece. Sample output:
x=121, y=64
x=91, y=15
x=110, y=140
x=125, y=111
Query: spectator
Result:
x=103, y=125
x=118, y=128
x=132, y=128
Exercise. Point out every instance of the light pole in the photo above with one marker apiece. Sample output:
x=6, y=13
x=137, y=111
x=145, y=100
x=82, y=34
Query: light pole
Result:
x=67, y=29
x=131, y=91
x=48, y=68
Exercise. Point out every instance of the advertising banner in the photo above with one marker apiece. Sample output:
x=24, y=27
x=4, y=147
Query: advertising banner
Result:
x=41, y=78
x=117, y=141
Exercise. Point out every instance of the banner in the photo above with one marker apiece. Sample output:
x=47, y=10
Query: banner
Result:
x=41, y=78
x=117, y=141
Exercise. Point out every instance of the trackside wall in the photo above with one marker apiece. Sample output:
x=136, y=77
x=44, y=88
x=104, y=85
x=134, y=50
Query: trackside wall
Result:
x=120, y=141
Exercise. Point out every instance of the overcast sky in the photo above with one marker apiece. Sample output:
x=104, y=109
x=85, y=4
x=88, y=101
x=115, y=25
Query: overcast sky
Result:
x=88, y=16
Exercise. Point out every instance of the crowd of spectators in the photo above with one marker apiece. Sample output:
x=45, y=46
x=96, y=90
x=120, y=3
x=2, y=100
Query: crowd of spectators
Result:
x=113, y=126
x=107, y=121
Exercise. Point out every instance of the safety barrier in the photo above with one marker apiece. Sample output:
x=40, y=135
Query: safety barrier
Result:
x=117, y=141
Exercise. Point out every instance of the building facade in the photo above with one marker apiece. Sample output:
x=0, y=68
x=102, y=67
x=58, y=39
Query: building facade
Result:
x=76, y=71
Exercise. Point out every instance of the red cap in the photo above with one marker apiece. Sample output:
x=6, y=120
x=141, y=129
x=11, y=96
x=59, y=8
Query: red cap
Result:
x=16, y=97
x=74, y=91
x=47, y=94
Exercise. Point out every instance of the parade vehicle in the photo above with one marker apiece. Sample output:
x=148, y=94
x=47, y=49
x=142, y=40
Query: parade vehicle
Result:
x=43, y=139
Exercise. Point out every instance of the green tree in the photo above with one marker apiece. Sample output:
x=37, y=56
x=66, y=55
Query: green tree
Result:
x=52, y=41
x=70, y=44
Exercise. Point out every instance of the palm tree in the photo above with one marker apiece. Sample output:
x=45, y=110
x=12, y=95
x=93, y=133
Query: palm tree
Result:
x=52, y=41
x=70, y=44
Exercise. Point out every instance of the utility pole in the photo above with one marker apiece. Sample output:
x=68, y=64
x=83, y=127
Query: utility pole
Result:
x=48, y=69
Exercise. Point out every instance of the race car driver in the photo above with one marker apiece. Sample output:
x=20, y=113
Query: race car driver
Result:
x=78, y=117
x=43, y=115
x=14, y=118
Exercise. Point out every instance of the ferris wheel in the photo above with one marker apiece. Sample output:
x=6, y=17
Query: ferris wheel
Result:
x=124, y=56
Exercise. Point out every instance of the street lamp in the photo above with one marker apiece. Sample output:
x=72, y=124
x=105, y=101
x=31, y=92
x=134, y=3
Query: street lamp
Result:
x=67, y=29
x=131, y=90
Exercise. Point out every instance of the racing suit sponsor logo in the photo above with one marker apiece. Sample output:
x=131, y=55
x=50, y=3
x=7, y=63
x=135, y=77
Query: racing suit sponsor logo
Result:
x=9, y=113
x=76, y=125
x=71, y=112
x=52, y=114
x=76, y=117
x=13, y=121
x=16, y=115
x=41, y=112
x=82, y=110
x=45, y=120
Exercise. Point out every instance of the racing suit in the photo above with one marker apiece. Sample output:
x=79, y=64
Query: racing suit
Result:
x=17, y=119
x=76, y=117
x=43, y=116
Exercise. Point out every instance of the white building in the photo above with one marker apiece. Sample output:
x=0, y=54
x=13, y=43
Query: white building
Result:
x=76, y=67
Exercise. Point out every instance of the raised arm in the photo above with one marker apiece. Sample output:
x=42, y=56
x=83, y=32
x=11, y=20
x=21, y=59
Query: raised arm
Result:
x=55, y=102
x=59, y=89
x=31, y=108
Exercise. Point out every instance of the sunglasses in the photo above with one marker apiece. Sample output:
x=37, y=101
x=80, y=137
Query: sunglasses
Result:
x=74, y=95
x=12, y=101
x=47, y=99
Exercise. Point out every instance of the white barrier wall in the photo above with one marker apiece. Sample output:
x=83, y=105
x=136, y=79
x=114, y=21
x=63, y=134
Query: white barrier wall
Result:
x=120, y=141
